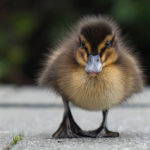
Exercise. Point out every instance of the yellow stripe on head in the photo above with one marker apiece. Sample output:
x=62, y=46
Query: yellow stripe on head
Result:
x=103, y=44
x=87, y=44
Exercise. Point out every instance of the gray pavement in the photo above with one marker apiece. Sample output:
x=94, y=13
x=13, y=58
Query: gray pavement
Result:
x=37, y=113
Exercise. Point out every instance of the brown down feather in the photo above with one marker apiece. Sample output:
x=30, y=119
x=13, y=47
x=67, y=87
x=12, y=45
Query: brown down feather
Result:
x=115, y=83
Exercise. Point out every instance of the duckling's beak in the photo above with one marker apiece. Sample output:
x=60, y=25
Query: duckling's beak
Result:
x=94, y=65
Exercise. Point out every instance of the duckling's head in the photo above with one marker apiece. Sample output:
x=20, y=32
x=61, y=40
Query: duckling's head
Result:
x=96, y=45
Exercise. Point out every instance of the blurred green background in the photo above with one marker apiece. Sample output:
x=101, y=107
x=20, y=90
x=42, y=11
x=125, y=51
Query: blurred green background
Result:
x=28, y=28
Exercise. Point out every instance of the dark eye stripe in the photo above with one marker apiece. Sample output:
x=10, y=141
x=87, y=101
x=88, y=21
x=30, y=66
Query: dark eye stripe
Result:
x=103, y=49
x=112, y=40
x=85, y=48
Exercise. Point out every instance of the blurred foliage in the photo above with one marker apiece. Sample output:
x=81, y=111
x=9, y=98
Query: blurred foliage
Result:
x=28, y=28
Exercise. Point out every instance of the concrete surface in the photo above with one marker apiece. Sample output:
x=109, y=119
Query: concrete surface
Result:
x=37, y=113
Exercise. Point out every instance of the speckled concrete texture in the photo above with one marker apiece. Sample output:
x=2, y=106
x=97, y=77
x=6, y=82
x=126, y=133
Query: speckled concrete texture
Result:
x=38, y=112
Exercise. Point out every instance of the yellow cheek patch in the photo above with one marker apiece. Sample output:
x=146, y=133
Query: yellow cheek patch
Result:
x=109, y=57
x=87, y=44
x=81, y=57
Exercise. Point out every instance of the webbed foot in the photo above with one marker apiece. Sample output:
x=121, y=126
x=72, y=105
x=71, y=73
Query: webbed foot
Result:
x=68, y=129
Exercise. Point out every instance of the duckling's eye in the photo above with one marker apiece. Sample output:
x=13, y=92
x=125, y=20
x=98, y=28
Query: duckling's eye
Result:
x=82, y=44
x=97, y=59
x=108, y=44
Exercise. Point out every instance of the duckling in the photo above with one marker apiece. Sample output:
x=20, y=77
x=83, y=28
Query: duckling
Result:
x=93, y=69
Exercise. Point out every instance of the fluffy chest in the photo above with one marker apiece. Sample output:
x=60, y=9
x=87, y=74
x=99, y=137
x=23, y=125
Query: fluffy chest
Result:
x=94, y=93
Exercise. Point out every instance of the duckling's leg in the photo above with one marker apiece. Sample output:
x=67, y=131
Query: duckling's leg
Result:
x=68, y=128
x=102, y=131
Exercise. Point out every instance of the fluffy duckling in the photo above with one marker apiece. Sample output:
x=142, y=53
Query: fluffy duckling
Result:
x=93, y=69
